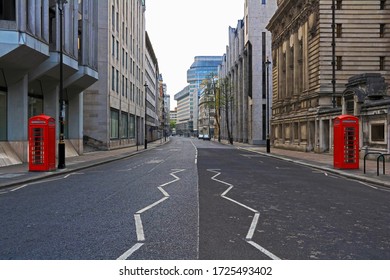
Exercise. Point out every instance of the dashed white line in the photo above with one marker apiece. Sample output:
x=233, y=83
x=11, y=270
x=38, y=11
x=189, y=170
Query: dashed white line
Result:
x=196, y=152
x=255, y=219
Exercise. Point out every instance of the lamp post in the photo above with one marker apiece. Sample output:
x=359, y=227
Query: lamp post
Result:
x=267, y=64
x=61, y=143
x=146, y=127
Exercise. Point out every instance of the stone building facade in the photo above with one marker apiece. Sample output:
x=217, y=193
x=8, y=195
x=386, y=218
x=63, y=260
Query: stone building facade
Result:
x=245, y=70
x=184, y=120
x=153, y=97
x=114, y=107
x=30, y=68
x=304, y=102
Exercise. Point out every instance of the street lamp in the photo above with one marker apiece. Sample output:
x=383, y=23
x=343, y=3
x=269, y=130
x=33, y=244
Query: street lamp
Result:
x=61, y=143
x=267, y=64
x=146, y=127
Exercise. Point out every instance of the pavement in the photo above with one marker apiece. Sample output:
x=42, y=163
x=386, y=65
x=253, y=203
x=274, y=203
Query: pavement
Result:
x=18, y=174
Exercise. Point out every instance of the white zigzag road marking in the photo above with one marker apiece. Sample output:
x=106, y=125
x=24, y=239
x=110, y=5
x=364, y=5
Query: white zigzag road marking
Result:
x=137, y=216
x=255, y=219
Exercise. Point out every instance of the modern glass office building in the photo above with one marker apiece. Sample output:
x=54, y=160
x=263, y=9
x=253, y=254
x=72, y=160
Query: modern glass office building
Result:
x=203, y=68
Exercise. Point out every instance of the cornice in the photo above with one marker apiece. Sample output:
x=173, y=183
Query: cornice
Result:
x=290, y=17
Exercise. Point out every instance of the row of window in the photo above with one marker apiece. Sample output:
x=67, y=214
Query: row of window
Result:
x=339, y=4
x=377, y=132
x=125, y=57
x=339, y=30
x=123, y=127
x=134, y=49
x=128, y=89
x=382, y=64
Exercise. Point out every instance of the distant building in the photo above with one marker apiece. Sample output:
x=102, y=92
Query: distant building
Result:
x=204, y=67
x=29, y=69
x=114, y=114
x=184, y=124
x=206, y=117
x=165, y=104
x=173, y=115
x=304, y=104
x=152, y=79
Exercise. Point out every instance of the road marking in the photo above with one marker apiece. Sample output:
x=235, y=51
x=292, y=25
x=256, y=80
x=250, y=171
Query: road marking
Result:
x=139, y=228
x=264, y=251
x=378, y=188
x=130, y=251
x=252, y=229
x=18, y=188
x=74, y=173
x=138, y=220
x=196, y=152
x=255, y=219
x=152, y=205
x=40, y=182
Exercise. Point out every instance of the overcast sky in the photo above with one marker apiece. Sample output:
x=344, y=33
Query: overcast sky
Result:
x=182, y=29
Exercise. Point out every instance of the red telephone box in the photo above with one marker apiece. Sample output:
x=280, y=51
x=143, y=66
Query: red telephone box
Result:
x=42, y=143
x=346, y=142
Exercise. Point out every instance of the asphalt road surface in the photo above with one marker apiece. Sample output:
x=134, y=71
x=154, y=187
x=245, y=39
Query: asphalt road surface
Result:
x=195, y=199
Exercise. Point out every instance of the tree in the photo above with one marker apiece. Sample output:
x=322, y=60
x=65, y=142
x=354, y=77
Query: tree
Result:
x=172, y=124
x=209, y=96
x=225, y=102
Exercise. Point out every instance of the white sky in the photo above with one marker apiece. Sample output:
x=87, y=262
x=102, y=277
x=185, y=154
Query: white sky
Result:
x=182, y=29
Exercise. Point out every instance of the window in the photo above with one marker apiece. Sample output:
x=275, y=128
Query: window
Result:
x=339, y=30
x=35, y=105
x=339, y=4
x=117, y=81
x=113, y=46
x=382, y=31
x=339, y=63
x=382, y=4
x=132, y=127
x=382, y=63
x=263, y=2
x=124, y=125
x=114, y=124
x=117, y=50
x=113, y=79
x=123, y=57
x=378, y=132
x=126, y=88
x=117, y=22
x=7, y=10
x=113, y=18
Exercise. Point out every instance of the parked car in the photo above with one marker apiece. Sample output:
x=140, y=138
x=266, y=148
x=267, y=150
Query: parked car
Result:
x=206, y=137
x=200, y=136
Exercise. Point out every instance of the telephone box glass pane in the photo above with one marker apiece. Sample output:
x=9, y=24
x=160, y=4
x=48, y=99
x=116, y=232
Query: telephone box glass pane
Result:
x=349, y=145
x=38, y=146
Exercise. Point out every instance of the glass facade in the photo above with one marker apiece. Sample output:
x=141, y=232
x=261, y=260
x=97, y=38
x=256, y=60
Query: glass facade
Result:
x=202, y=68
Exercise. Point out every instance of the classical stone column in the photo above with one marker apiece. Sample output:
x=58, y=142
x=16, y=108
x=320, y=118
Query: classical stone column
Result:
x=281, y=76
x=297, y=75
